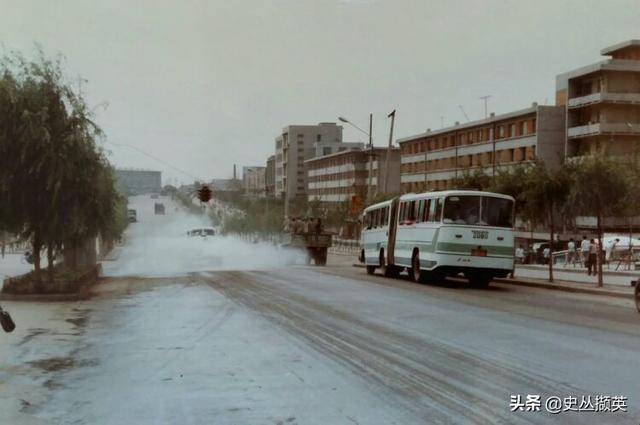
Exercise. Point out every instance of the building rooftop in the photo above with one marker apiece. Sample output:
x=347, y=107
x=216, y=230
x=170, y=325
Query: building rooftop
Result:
x=349, y=152
x=607, y=51
x=533, y=108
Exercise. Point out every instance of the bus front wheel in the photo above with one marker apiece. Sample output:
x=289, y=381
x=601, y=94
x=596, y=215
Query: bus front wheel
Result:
x=371, y=269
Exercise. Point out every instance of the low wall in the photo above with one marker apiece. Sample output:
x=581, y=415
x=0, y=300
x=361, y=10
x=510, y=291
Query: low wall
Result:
x=65, y=281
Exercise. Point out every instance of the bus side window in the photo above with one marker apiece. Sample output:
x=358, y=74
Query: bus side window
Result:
x=385, y=217
x=376, y=218
x=412, y=212
x=439, y=204
x=401, y=213
x=425, y=210
x=420, y=210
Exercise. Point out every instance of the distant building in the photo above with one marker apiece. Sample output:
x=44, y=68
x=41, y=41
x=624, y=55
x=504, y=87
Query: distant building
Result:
x=226, y=185
x=344, y=176
x=253, y=180
x=602, y=102
x=434, y=159
x=270, y=176
x=295, y=145
x=138, y=182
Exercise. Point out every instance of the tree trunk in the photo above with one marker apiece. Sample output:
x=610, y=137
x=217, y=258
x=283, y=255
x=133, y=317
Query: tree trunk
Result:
x=551, y=234
x=599, y=254
x=37, y=245
x=50, y=259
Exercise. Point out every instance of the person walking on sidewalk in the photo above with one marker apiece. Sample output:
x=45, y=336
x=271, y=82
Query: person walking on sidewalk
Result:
x=571, y=253
x=584, y=251
x=520, y=255
x=592, y=259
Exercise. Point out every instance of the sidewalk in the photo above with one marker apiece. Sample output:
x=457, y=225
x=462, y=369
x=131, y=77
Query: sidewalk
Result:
x=579, y=275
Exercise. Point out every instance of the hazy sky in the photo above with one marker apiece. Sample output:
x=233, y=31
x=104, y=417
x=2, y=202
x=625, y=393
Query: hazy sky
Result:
x=205, y=84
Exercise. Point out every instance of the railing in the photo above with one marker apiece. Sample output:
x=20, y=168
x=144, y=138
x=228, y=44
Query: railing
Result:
x=604, y=97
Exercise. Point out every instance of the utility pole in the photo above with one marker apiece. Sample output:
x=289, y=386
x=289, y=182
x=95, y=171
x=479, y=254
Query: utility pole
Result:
x=369, y=188
x=485, y=98
x=392, y=115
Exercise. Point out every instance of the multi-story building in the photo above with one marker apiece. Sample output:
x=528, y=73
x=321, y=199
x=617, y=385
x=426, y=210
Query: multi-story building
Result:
x=602, y=102
x=295, y=145
x=138, y=182
x=434, y=159
x=270, y=176
x=344, y=176
x=253, y=180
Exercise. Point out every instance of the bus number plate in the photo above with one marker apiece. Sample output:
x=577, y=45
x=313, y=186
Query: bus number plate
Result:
x=480, y=234
x=479, y=252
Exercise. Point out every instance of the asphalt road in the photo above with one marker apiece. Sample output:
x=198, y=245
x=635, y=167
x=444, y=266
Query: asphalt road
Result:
x=292, y=344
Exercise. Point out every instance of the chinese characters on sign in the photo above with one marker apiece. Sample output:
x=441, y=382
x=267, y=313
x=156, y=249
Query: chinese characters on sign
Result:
x=555, y=405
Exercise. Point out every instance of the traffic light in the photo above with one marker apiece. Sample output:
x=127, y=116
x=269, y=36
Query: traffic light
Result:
x=204, y=194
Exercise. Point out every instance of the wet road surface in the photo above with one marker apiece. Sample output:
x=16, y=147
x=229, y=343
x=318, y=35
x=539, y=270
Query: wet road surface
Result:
x=314, y=346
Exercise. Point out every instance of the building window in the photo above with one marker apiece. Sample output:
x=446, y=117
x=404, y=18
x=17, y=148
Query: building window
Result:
x=319, y=138
x=501, y=131
x=326, y=150
x=300, y=135
x=524, y=128
x=512, y=130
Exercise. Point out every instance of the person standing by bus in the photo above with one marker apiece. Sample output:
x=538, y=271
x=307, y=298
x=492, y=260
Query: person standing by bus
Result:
x=520, y=255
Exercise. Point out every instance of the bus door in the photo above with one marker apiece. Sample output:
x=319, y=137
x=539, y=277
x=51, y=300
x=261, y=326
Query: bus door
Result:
x=391, y=232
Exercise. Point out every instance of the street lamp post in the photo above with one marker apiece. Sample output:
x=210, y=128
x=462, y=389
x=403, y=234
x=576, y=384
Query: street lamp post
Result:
x=370, y=135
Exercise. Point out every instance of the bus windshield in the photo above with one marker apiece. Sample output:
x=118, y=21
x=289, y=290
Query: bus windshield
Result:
x=478, y=211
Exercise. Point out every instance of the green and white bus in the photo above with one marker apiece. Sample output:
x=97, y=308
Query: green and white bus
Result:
x=433, y=235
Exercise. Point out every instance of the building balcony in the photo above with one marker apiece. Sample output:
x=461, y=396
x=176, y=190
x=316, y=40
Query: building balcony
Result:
x=596, y=129
x=604, y=97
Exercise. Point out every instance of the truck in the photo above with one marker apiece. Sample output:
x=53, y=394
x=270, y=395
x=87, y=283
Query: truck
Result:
x=309, y=236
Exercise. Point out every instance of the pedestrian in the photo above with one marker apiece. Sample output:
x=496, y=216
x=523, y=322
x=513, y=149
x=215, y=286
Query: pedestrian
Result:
x=609, y=250
x=584, y=251
x=592, y=259
x=571, y=252
x=546, y=254
x=520, y=255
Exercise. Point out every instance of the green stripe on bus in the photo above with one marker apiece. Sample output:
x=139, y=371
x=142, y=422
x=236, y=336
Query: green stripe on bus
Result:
x=464, y=248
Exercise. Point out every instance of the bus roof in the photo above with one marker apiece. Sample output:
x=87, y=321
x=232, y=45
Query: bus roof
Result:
x=413, y=196
x=378, y=205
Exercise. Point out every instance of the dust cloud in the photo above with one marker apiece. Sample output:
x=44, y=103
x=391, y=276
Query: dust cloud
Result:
x=158, y=246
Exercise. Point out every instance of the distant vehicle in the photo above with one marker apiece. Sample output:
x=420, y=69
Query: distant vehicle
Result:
x=309, y=235
x=154, y=196
x=132, y=215
x=438, y=234
x=159, y=208
x=203, y=232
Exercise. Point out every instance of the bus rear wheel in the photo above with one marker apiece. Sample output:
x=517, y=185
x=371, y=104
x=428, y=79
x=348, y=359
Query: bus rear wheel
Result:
x=415, y=273
x=479, y=280
x=371, y=269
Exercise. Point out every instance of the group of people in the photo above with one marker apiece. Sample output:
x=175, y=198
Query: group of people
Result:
x=585, y=253
x=297, y=225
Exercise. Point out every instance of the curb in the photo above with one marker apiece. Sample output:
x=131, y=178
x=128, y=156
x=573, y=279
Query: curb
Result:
x=558, y=287
x=555, y=286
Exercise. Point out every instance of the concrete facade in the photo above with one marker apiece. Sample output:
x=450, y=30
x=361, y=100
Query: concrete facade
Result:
x=602, y=102
x=139, y=182
x=270, y=176
x=434, y=159
x=341, y=176
x=295, y=145
x=253, y=180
